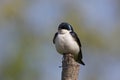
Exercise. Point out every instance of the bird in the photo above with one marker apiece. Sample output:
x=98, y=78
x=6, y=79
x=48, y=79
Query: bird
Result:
x=67, y=41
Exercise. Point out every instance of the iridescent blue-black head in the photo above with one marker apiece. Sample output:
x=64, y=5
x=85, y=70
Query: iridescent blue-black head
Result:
x=66, y=26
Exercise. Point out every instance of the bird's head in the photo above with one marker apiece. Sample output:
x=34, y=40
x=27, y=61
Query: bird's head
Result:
x=64, y=28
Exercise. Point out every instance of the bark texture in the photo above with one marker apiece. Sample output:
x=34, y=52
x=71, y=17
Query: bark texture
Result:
x=70, y=68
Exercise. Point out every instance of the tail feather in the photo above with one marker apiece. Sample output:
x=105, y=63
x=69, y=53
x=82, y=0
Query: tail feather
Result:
x=81, y=62
x=79, y=58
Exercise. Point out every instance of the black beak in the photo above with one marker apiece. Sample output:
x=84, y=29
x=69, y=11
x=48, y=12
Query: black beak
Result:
x=59, y=28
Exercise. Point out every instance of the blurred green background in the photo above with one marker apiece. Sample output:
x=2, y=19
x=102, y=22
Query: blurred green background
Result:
x=27, y=28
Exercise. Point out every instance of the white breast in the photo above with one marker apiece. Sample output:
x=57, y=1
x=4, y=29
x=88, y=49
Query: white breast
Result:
x=65, y=43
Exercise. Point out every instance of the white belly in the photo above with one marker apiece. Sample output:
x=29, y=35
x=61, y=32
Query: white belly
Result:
x=64, y=43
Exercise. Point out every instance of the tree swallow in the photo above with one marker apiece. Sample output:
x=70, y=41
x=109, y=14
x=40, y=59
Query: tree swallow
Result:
x=67, y=41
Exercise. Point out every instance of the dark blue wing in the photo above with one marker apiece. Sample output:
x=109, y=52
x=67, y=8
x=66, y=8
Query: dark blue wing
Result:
x=55, y=37
x=79, y=59
x=74, y=35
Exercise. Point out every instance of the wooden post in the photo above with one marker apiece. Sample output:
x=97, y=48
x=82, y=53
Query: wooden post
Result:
x=70, y=68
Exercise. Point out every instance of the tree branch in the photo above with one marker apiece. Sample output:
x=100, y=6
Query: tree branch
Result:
x=70, y=68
